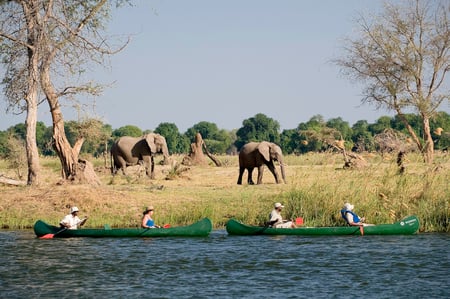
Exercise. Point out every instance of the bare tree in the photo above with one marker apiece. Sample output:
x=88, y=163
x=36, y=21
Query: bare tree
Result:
x=45, y=43
x=403, y=56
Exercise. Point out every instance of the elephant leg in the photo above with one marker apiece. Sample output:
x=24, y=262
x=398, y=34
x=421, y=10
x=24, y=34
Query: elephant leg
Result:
x=260, y=174
x=273, y=170
x=241, y=173
x=250, y=176
x=152, y=168
x=121, y=164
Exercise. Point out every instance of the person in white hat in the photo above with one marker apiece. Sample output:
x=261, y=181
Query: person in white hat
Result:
x=276, y=220
x=72, y=221
x=351, y=217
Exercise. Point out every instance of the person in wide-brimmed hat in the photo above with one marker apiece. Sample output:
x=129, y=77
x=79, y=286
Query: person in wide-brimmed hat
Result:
x=72, y=221
x=276, y=220
x=147, y=220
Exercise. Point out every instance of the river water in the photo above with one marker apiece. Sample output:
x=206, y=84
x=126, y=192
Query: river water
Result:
x=222, y=266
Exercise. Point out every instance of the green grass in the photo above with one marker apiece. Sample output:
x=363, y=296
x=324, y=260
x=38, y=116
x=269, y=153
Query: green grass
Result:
x=317, y=188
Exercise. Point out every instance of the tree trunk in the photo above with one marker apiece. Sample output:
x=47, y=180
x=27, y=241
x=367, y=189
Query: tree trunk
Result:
x=30, y=123
x=214, y=159
x=428, y=149
x=196, y=156
x=31, y=96
x=67, y=155
x=31, y=145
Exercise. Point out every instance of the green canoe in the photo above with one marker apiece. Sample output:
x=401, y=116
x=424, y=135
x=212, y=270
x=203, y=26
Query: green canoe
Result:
x=407, y=226
x=198, y=229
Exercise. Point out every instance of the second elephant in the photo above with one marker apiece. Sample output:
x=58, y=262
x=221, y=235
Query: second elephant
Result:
x=128, y=151
x=260, y=154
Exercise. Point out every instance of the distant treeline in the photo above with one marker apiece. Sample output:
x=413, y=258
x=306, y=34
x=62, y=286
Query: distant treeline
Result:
x=315, y=135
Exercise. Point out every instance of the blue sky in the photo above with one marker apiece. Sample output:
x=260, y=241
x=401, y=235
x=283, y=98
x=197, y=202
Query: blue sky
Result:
x=225, y=61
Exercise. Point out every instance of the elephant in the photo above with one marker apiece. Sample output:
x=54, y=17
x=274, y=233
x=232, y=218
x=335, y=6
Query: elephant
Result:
x=127, y=151
x=258, y=154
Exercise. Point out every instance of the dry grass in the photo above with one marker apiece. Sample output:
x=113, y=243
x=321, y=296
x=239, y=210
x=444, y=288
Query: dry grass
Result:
x=317, y=188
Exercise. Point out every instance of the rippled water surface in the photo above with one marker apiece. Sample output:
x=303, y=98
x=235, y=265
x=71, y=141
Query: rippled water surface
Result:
x=225, y=266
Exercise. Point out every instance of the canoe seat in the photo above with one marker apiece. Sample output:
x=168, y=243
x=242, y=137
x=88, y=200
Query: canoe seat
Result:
x=107, y=227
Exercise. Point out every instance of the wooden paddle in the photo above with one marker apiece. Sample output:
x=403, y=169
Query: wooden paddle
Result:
x=51, y=236
x=361, y=230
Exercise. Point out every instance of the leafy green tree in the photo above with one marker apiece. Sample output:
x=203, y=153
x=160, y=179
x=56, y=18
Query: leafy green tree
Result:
x=290, y=141
x=361, y=137
x=398, y=124
x=258, y=128
x=127, y=130
x=441, y=130
x=217, y=141
x=309, y=132
x=3, y=144
x=176, y=142
x=340, y=125
x=382, y=123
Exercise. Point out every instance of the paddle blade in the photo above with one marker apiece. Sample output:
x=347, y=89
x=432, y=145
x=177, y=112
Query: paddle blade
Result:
x=166, y=226
x=47, y=236
x=299, y=221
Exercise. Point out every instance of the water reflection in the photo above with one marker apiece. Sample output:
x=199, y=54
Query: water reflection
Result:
x=225, y=266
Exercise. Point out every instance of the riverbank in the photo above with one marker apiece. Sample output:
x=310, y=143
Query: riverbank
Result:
x=316, y=189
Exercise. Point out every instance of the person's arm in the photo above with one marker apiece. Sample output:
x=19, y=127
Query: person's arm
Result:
x=144, y=222
x=83, y=221
x=275, y=218
x=64, y=222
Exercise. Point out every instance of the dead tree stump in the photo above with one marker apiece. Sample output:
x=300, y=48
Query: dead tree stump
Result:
x=196, y=155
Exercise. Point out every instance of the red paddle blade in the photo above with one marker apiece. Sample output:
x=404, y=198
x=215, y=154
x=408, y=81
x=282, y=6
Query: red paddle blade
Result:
x=166, y=226
x=47, y=236
x=299, y=221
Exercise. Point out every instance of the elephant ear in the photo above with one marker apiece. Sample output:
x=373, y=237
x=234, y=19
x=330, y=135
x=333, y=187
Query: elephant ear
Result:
x=264, y=150
x=150, y=138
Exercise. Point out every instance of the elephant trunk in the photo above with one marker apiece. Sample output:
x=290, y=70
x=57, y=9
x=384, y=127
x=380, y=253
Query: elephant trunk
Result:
x=283, y=174
x=166, y=156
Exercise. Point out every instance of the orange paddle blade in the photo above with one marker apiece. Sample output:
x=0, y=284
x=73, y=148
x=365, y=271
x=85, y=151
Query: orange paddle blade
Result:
x=299, y=221
x=166, y=226
x=47, y=236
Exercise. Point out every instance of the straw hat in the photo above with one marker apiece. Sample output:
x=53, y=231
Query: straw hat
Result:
x=149, y=208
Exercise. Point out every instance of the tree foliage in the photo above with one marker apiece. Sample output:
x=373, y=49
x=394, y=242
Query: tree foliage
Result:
x=258, y=128
x=46, y=47
x=176, y=142
x=311, y=136
x=403, y=56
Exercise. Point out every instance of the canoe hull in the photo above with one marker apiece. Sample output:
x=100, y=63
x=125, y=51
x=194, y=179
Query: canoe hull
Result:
x=201, y=228
x=407, y=226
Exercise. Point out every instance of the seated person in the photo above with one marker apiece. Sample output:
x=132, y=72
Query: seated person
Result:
x=147, y=220
x=72, y=221
x=276, y=220
x=351, y=217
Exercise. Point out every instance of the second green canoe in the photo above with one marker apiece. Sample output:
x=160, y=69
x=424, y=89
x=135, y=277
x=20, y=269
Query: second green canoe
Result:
x=407, y=226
